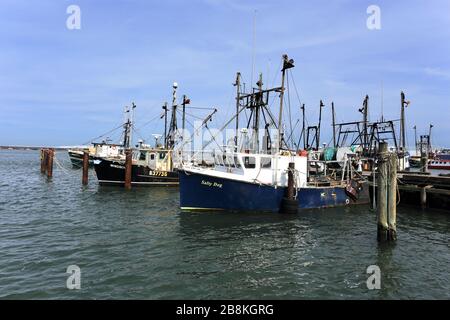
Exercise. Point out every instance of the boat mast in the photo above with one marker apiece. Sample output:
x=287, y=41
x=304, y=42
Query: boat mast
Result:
x=131, y=123
x=237, y=84
x=126, y=128
x=430, y=148
x=404, y=104
x=185, y=102
x=165, y=124
x=258, y=101
x=173, y=122
x=334, y=124
x=304, y=127
x=365, y=119
x=415, y=138
x=320, y=122
x=287, y=64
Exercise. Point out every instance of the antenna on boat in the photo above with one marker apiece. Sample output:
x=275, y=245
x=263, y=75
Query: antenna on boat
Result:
x=253, y=47
x=382, y=102
x=156, y=137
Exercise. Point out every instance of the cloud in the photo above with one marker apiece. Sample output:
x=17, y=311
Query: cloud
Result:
x=438, y=72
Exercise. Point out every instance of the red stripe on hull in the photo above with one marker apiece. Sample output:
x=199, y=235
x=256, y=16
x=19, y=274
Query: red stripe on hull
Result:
x=439, y=167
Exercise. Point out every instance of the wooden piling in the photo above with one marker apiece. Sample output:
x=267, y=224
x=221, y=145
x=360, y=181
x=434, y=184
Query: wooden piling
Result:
x=290, y=188
x=128, y=168
x=43, y=161
x=85, y=177
x=424, y=161
x=289, y=203
x=386, y=194
x=50, y=155
x=392, y=197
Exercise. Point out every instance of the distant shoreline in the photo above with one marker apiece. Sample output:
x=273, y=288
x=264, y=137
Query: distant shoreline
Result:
x=30, y=148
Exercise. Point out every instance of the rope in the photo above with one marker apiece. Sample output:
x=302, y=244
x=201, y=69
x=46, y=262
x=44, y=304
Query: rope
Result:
x=111, y=131
x=64, y=170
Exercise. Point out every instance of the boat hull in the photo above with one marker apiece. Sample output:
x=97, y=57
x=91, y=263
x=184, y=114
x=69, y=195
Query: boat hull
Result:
x=202, y=192
x=76, y=158
x=111, y=172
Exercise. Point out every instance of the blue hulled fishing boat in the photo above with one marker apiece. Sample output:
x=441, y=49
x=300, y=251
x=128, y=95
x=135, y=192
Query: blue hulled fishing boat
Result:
x=265, y=174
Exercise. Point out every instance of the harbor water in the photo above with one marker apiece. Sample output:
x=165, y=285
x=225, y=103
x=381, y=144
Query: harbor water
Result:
x=137, y=244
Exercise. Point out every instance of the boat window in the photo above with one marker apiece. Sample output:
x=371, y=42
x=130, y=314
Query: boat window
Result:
x=152, y=156
x=142, y=156
x=250, y=162
x=218, y=160
x=237, y=163
x=266, y=163
x=162, y=155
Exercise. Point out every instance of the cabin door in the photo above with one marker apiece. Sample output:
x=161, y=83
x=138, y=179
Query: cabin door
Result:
x=152, y=161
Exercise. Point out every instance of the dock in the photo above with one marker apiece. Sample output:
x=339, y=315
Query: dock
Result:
x=421, y=190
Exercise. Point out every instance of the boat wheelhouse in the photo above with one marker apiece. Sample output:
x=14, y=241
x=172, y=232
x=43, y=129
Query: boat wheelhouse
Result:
x=150, y=167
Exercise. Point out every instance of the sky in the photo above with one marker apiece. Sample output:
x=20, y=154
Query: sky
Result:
x=64, y=87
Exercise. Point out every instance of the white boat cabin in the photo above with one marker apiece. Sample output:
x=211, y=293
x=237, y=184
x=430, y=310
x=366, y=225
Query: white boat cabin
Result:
x=264, y=169
x=155, y=159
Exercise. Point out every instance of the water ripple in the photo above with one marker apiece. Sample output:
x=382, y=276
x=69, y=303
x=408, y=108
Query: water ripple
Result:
x=136, y=244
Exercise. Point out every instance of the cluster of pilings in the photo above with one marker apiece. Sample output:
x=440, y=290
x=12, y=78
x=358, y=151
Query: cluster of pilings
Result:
x=47, y=156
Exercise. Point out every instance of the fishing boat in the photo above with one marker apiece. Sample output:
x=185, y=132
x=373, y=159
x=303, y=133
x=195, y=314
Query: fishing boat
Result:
x=259, y=175
x=105, y=149
x=151, y=166
x=96, y=150
x=439, y=164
